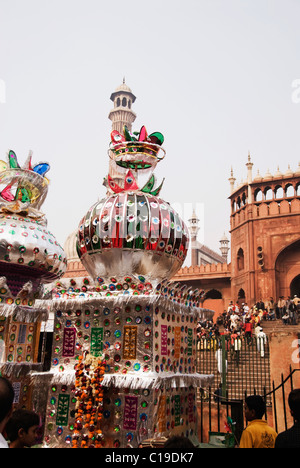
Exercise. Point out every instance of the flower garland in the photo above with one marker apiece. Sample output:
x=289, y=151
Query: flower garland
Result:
x=89, y=373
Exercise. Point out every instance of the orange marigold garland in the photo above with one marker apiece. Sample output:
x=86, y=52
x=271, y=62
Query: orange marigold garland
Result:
x=89, y=374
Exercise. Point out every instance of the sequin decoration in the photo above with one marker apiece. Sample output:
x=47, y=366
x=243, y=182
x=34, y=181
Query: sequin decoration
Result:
x=145, y=218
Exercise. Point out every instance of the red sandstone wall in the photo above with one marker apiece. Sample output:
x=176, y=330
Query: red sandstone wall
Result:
x=215, y=304
x=284, y=353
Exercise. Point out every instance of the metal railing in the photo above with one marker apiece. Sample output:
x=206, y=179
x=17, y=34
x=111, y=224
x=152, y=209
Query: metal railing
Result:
x=214, y=410
x=281, y=392
x=246, y=366
x=239, y=365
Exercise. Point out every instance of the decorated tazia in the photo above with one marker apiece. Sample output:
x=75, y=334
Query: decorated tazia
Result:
x=132, y=230
x=30, y=256
x=136, y=354
x=29, y=253
x=124, y=358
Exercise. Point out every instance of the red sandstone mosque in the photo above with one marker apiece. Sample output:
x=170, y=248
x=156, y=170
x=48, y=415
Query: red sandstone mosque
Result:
x=264, y=235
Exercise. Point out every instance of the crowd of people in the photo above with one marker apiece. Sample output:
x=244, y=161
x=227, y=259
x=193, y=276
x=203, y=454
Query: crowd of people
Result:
x=244, y=321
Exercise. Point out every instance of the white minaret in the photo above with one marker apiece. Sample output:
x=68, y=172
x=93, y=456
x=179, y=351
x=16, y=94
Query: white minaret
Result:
x=224, y=246
x=122, y=113
x=249, y=177
x=194, y=226
x=194, y=229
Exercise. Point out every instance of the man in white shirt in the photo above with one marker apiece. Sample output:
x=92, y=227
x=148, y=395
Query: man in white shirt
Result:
x=261, y=338
x=296, y=300
x=6, y=407
x=234, y=319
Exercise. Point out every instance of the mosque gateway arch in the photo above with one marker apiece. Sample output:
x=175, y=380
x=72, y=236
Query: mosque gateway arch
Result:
x=287, y=270
x=295, y=286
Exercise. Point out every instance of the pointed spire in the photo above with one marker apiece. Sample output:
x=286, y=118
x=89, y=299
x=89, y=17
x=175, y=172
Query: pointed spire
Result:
x=289, y=172
x=249, y=165
x=258, y=177
x=232, y=181
x=268, y=175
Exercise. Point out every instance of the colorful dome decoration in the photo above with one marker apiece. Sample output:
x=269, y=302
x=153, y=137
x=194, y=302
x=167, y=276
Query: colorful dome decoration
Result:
x=132, y=229
x=134, y=157
x=29, y=253
x=125, y=148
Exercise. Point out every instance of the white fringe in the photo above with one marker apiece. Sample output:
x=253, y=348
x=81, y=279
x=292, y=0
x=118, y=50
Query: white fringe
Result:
x=122, y=300
x=154, y=381
x=132, y=381
x=17, y=370
x=57, y=378
x=23, y=313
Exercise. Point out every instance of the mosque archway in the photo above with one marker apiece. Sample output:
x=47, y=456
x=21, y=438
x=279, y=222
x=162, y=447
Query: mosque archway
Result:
x=241, y=295
x=213, y=294
x=295, y=287
x=213, y=300
x=287, y=269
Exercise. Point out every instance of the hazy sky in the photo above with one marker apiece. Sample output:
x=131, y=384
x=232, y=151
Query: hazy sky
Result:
x=218, y=78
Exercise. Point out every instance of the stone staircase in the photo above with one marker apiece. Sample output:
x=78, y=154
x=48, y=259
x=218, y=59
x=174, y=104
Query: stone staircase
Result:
x=271, y=326
x=249, y=371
